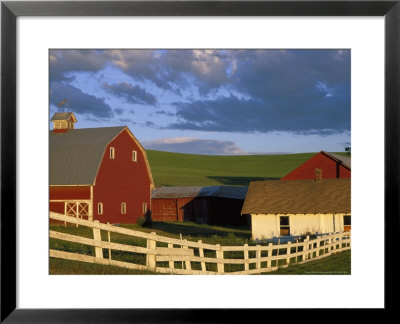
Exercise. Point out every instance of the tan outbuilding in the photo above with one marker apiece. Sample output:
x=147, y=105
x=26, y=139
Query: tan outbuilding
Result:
x=297, y=207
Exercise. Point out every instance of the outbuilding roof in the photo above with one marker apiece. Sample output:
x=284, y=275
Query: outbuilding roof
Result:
x=197, y=191
x=346, y=161
x=298, y=197
x=62, y=116
x=76, y=155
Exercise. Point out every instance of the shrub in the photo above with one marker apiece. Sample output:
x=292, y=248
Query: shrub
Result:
x=143, y=221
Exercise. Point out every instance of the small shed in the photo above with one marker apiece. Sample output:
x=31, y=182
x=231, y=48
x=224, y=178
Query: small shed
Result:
x=330, y=165
x=296, y=207
x=218, y=205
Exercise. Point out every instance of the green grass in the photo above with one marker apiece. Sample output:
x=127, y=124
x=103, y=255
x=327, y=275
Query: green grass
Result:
x=223, y=235
x=177, y=169
x=63, y=267
x=336, y=264
x=191, y=231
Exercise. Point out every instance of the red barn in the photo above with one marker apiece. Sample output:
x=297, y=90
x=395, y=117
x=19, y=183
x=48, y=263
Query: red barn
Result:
x=329, y=164
x=98, y=173
x=216, y=205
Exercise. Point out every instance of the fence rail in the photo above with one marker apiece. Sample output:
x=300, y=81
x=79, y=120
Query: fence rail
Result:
x=194, y=257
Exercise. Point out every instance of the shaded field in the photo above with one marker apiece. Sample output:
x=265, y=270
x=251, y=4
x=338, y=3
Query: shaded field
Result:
x=177, y=169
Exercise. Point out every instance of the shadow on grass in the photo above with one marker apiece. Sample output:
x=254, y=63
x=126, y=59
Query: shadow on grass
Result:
x=239, y=181
x=195, y=230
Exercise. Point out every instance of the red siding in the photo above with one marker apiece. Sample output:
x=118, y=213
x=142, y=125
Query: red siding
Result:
x=121, y=180
x=164, y=210
x=57, y=207
x=66, y=193
x=211, y=210
x=320, y=161
x=69, y=192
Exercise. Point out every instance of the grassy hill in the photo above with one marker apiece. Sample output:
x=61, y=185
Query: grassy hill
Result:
x=177, y=169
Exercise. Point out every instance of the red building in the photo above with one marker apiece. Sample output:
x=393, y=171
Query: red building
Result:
x=329, y=164
x=98, y=173
x=216, y=205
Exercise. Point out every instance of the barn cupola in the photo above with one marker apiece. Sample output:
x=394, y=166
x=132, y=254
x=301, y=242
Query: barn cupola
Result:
x=63, y=121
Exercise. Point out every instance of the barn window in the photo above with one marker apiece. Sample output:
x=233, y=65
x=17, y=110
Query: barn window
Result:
x=100, y=208
x=134, y=156
x=144, y=207
x=284, y=225
x=112, y=153
x=123, y=208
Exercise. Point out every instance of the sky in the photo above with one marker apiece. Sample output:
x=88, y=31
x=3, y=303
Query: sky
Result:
x=223, y=102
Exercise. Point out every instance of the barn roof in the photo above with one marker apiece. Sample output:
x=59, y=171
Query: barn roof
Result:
x=197, y=191
x=346, y=161
x=75, y=156
x=298, y=197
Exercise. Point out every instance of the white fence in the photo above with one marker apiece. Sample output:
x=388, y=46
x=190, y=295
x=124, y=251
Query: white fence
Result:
x=186, y=257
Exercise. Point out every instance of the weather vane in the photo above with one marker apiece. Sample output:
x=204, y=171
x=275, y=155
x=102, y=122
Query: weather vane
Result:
x=62, y=104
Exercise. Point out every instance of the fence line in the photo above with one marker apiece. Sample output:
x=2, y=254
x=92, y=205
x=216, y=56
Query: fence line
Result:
x=184, y=251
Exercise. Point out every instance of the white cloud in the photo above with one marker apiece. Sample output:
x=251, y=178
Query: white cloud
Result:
x=192, y=145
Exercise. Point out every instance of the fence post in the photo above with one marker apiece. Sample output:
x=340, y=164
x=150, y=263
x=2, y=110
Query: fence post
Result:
x=305, y=248
x=187, y=262
x=246, y=257
x=201, y=254
x=151, y=254
x=269, y=262
x=341, y=242
x=288, y=252
x=220, y=256
x=77, y=213
x=97, y=242
x=258, y=257
x=109, y=241
x=171, y=262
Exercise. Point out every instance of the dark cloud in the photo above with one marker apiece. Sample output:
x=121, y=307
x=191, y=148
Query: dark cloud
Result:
x=231, y=114
x=118, y=111
x=64, y=62
x=132, y=94
x=78, y=101
x=149, y=124
x=193, y=146
x=164, y=112
x=174, y=69
x=300, y=91
x=127, y=120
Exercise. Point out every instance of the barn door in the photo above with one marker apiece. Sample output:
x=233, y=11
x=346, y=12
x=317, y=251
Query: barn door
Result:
x=78, y=210
x=83, y=210
x=71, y=209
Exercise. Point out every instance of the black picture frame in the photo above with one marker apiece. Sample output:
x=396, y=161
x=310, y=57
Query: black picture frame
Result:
x=10, y=10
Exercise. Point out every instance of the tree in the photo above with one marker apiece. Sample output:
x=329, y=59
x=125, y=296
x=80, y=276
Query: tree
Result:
x=347, y=149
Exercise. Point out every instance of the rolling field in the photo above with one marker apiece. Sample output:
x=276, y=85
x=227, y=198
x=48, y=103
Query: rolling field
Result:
x=176, y=169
